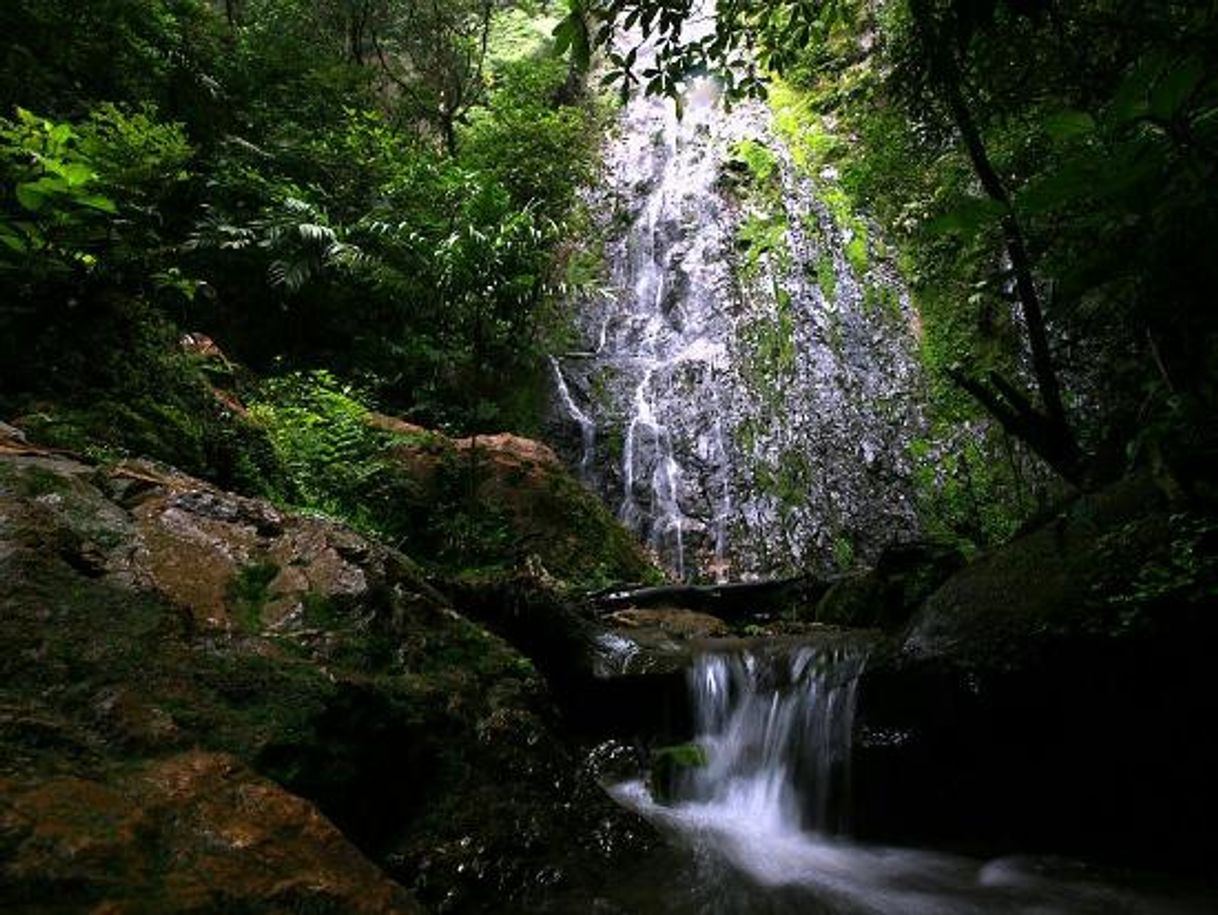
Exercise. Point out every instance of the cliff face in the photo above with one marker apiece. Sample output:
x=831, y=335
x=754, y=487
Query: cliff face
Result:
x=209, y=703
x=746, y=387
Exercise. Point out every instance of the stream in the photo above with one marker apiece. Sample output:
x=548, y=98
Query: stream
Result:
x=763, y=827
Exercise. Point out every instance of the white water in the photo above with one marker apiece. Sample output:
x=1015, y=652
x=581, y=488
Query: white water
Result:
x=759, y=818
x=776, y=733
x=734, y=459
x=587, y=428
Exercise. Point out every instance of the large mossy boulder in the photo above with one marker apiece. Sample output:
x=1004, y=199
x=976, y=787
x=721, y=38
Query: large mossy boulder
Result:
x=504, y=498
x=147, y=616
x=1055, y=693
x=192, y=832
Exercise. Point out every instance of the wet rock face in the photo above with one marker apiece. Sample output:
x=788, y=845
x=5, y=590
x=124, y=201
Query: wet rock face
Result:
x=747, y=388
x=165, y=640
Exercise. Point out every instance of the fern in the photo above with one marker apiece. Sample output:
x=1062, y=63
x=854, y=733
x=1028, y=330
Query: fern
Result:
x=295, y=234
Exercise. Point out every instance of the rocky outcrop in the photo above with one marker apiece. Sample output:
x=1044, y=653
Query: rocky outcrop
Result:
x=745, y=386
x=886, y=596
x=516, y=486
x=194, y=832
x=1054, y=694
x=201, y=692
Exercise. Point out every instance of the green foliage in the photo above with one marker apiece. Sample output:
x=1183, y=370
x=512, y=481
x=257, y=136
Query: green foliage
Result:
x=1186, y=569
x=301, y=196
x=249, y=592
x=974, y=486
x=541, y=153
x=333, y=457
x=60, y=217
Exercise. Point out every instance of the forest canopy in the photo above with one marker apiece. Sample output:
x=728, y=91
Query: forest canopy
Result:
x=381, y=189
x=385, y=194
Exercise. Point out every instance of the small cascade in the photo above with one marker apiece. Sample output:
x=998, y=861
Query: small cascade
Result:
x=776, y=732
x=587, y=427
x=761, y=821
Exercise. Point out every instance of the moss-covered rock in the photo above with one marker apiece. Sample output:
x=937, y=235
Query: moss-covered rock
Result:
x=193, y=832
x=1055, y=693
x=671, y=764
x=495, y=501
x=146, y=614
x=887, y=595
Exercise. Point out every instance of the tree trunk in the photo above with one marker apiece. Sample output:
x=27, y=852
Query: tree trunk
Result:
x=1047, y=433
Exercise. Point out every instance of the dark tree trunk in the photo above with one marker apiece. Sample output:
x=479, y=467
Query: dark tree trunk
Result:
x=1046, y=432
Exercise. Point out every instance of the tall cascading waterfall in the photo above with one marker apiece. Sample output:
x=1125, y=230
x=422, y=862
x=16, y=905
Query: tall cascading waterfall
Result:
x=745, y=405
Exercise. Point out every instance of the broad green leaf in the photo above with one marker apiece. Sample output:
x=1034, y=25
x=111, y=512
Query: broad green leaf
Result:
x=30, y=197
x=1072, y=181
x=12, y=240
x=98, y=202
x=970, y=215
x=77, y=173
x=572, y=34
x=564, y=36
x=60, y=134
x=1066, y=125
x=1174, y=87
x=1130, y=101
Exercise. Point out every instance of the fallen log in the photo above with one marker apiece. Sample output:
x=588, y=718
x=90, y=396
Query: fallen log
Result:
x=729, y=601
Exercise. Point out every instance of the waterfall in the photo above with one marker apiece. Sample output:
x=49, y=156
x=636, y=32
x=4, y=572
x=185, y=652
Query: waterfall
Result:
x=753, y=400
x=587, y=428
x=761, y=819
x=776, y=732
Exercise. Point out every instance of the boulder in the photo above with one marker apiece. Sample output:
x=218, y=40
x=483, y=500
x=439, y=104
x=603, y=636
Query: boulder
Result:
x=887, y=595
x=162, y=632
x=1054, y=695
x=193, y=832
x=520, y=499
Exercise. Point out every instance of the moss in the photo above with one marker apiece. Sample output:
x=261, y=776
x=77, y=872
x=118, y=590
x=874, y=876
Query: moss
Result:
x=249, y=592
x=669, y=764
x=788, y=481
x=122, y=388
x=762, y=235
x=843, y=552
x=881, y=300
x=826, y=276
x=856, y=251
x=759, y=159
x=802, y=128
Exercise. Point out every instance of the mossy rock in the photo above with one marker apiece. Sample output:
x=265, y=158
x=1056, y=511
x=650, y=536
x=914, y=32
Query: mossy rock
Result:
x=669, y=765
x=308, y=654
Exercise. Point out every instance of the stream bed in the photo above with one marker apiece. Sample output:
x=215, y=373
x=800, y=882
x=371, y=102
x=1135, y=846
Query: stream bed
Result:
x=761, y=828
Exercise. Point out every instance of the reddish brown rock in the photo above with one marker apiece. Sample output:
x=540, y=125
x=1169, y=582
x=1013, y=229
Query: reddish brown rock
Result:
x=197, y=832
